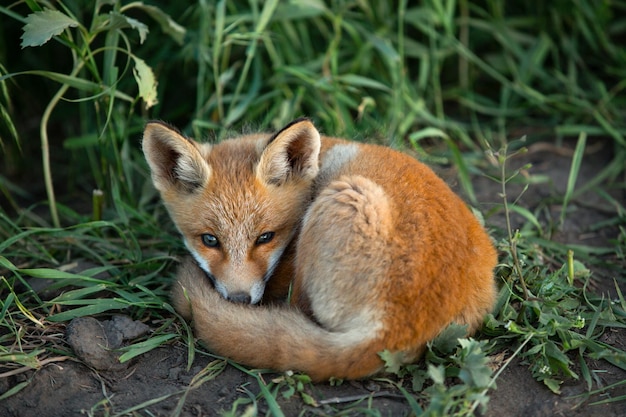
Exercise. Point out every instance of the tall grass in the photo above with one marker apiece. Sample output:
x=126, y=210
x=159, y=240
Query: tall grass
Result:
x=447, y=79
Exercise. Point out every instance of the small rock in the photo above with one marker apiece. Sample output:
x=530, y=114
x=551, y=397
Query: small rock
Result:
x=89, y=340
x=94, y=341
x=122, y=328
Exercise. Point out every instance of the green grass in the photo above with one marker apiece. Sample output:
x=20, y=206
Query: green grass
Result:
x=457, y=82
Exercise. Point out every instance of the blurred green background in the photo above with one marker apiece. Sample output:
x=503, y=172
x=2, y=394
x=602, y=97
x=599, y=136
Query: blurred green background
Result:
x=471, y=75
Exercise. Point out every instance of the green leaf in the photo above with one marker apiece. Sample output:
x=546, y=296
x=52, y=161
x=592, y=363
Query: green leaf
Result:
x=79, y=294
x=17, y=388
x=308, y=400
x=393, y=360
x=146, y=81
x=168, y=25
x=436, y=373
x=5, y=263
x=75, y=82
x=415, y=407
x=56, y=274
x=474, y=364
x=27, y=359
x=5, y=116
x=145, y=346
x=447, y=341
x=361, y=81
x=81, y=142
x=42, y=26
x=553, y=384
x=299, y=10
x=573, y=173
x=119, y=21
x=95, y=307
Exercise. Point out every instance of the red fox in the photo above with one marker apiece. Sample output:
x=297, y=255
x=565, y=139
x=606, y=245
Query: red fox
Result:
x=373, y=250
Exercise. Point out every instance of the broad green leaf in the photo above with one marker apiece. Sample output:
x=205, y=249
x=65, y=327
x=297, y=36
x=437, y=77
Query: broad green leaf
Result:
x=474, y=368
x=120, y=21
x=393, y=360
x=448, y=339
x=146, y=82
x=553, y=384
x=42, y=26
x=168, y=25
x=437, y=373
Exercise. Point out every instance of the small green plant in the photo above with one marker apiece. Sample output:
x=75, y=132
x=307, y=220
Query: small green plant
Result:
x=550, y=308
x=97, y=74
x=454, y=380
x=94, y=268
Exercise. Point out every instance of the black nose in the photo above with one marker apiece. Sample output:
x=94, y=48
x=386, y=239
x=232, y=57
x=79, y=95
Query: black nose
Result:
x=239, y=297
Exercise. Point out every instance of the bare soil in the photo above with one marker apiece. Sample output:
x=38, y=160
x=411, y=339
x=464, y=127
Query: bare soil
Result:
x=99, y=385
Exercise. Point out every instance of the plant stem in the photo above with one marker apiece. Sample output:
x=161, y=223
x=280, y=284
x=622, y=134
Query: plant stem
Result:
x=507, y=214
x=45, y=149
x=45, y=155
x=492, y=382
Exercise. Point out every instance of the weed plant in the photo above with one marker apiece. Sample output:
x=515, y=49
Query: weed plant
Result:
x=82, y=232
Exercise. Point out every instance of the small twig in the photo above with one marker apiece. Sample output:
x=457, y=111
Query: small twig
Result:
x=351, y=398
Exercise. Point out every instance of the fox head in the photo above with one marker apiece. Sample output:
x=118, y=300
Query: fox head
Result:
x=237, y=204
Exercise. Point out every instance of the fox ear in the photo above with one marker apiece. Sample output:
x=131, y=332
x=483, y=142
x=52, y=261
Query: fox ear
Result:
x=174, y=160
x=293, y=152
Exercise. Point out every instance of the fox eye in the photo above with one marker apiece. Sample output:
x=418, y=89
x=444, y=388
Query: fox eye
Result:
x=210, y=241
x=265, y=238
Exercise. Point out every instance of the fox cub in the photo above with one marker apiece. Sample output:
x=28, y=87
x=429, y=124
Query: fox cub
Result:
x=374, y=250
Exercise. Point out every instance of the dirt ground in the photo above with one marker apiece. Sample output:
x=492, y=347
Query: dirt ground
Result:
x=71, y=388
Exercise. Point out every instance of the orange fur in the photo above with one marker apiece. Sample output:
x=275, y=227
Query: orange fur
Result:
x=380, y=253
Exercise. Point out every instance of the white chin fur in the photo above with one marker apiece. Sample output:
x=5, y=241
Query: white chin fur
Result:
x=221, y=289
x=256, y=292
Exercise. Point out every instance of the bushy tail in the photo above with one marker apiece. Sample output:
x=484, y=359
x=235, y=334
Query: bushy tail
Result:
x=277, y=337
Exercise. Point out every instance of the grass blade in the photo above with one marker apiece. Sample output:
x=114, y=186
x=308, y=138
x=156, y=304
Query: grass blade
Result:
x=573, y=174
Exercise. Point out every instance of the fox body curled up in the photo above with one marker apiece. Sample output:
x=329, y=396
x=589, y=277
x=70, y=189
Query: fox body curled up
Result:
x=379, y=253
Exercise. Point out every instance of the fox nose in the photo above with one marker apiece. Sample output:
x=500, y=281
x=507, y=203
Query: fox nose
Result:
x=239, y=297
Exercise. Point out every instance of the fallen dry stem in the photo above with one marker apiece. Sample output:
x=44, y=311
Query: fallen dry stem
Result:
x=40, y=364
